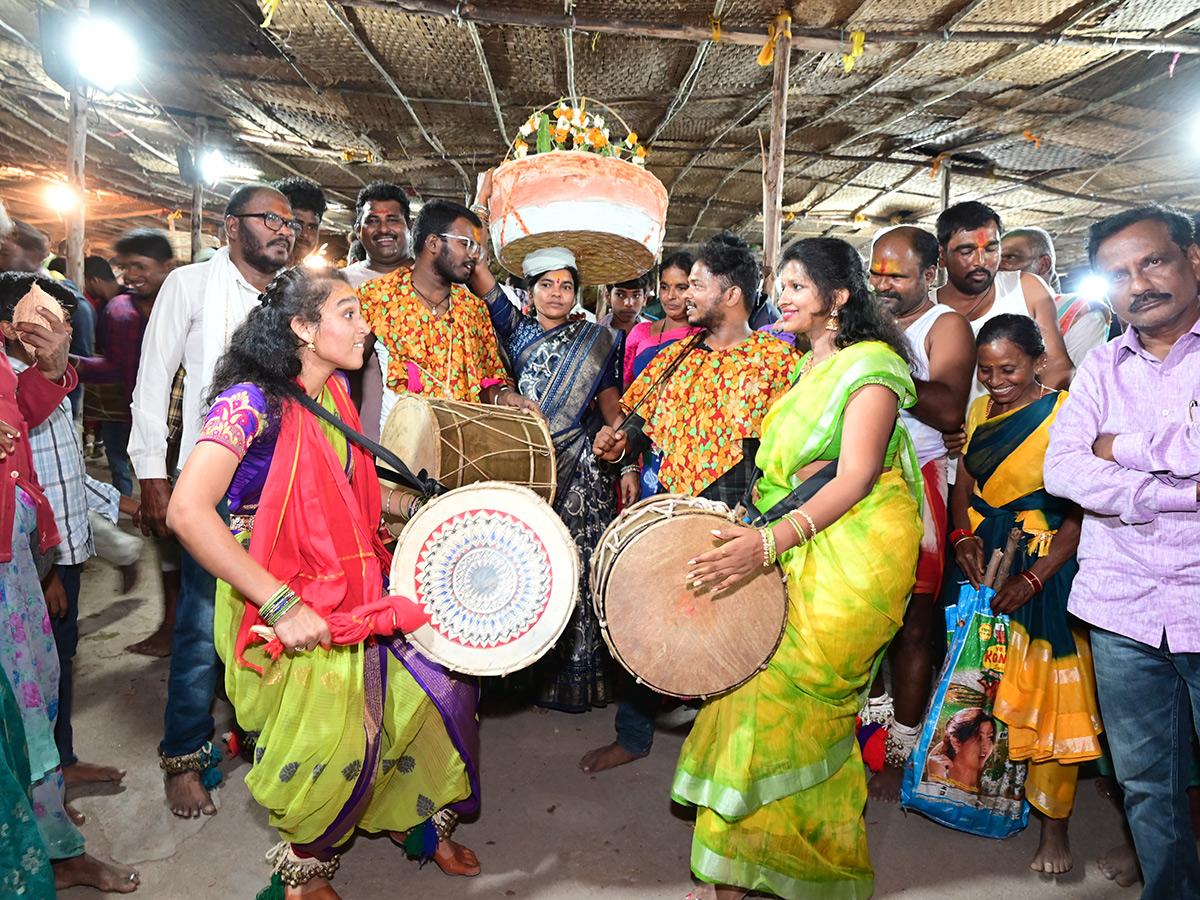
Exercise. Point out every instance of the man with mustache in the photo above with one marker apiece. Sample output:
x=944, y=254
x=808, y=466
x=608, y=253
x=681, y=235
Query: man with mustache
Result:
x=1083, y=321
x=197, y=310
x=904, y=264
x=437, y=334
x=969, y=236
x=382, y=223
x=1125, y=447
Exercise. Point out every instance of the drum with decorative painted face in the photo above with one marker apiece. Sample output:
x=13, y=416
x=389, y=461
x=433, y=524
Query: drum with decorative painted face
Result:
x=498, y=573
x=679, y=639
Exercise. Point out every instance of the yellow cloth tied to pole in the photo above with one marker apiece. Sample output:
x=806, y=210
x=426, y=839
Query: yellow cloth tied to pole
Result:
x=781, y=25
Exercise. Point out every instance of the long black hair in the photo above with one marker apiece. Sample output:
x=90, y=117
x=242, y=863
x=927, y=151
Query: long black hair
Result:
x=832, y=264
x=264, y=349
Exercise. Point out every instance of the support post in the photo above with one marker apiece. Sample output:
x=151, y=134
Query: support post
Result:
x=198, y=185
x=76, y=155
x=773, y=182
x=945, y=184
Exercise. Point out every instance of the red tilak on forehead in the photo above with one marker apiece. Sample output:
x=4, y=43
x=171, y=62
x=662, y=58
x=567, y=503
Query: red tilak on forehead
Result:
x=886, y=267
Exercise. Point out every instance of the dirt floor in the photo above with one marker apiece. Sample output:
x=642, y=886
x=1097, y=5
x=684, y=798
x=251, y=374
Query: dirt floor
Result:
x=546, y=830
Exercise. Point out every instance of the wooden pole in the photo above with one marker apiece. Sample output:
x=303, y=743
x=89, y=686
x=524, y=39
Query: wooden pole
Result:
x=945, y=184
x=198, y=185
x=76, y=155
x=773, y=182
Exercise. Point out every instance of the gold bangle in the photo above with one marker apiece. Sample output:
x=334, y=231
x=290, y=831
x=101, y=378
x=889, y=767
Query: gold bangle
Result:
x=811, y=523
x=801, y=537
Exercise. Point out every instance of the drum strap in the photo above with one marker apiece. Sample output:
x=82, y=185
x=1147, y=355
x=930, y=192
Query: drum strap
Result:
x=800, y=495
x=398, y=472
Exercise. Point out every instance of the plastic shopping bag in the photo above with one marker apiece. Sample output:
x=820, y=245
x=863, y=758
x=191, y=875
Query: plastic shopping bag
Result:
x=959, y=773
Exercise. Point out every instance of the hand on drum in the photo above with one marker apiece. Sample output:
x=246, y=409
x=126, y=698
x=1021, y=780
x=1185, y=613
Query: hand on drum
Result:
x=610, y=443
x=301, y=628
x=740, y=554
x=520, y=401
x=631, y=488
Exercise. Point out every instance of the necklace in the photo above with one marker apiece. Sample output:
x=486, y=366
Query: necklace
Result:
x=811, y=362
x=987, y=412
x=433, y=307
x=991, y=291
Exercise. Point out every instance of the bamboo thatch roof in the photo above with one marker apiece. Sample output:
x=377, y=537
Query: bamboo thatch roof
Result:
x=1053, y=111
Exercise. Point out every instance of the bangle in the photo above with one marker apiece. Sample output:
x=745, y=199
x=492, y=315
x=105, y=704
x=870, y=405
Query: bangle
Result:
x=960, y=533
x=809, y=520
x=480, y=210
x=631, y=468
x=278, y=604
x=768, y=542
x=1034, y=581
x=796, y=527
x=387, y=507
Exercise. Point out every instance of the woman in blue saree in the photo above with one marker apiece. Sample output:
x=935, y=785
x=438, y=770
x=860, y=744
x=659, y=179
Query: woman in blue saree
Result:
x=573, y=371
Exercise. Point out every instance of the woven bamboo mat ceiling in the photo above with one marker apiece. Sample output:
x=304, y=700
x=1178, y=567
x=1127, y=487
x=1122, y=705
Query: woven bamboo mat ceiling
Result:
x=1053, y=111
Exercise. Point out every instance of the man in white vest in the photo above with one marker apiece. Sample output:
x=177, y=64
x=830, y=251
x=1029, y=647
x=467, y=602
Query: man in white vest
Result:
x=198, y=309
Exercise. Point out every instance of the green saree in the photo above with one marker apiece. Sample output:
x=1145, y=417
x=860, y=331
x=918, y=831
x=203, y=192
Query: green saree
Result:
x=774, y=766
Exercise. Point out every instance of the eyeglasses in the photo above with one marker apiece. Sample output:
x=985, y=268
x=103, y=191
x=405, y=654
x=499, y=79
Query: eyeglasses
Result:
x=273, y=221
x=473, y=246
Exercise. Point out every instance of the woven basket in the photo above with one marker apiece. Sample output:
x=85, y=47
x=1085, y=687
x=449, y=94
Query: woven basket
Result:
x=610, y=213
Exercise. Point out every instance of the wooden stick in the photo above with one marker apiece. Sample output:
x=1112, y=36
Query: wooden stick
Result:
x=993, y=566
x=1004, y=563
x=773, y=177
x=823, y=40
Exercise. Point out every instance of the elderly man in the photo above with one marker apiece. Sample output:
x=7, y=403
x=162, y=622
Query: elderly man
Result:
x=904, y=263
x=1083, y=321
x=1125, y=447
x=969, y=235
x=197, y=310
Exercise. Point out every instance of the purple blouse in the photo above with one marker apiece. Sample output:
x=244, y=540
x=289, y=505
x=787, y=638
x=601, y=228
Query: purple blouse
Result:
x=241, y=421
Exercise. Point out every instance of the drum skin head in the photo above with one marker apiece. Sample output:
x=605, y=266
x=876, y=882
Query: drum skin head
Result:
x=679, y=639
x=411, y=433
x=498, y=572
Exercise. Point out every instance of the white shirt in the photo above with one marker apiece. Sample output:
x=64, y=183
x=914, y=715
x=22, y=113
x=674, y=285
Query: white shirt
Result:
x=175, y=337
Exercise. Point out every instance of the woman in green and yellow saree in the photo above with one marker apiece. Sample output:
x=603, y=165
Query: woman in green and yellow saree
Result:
x=773, y=767
x=1048, y=693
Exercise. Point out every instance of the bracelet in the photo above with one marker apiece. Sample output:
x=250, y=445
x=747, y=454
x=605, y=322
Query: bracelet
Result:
x=960, y=533
x=480, y=210
x=387, y=507
x=279, y=603
x=809, y=520
x=631, y=468
x=967, y=538
x=796, y=527
x=1034, y=581
x=768, y=542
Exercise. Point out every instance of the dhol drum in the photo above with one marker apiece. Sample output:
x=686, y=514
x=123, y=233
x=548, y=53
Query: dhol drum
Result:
x=676, y=638
x=498, y=572
x=466, y=443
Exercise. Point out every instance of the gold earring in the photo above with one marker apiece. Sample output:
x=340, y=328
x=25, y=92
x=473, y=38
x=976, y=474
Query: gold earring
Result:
x=833, y=324
x=311, y=346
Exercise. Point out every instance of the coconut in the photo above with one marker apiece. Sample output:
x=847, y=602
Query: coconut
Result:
x=26, y=310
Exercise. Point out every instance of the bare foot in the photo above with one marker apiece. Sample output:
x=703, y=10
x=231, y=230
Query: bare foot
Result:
x=129, y=576
x=717, y=892
x=314, y=889
x=885, y=784
x=1106, y=787
x=88, y=871
x=90, y=773
x=187, y=796
x=1053, y=855
x=609, y=757
x=158, y=644
x=455, y=859
x=1120, y=864
x=74, y=815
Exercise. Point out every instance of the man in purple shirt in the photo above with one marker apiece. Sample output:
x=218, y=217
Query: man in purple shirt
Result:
x=1126, y=448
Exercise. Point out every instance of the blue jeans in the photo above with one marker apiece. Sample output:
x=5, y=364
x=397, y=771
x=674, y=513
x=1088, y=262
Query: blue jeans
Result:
x=635, y=717
x=1150, y=700
x=116, y=442
x=66, y=641
x=188, y=721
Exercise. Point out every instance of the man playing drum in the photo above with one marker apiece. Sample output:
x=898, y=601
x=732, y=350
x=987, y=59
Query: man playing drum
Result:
x=701, y=402
x=438, y=335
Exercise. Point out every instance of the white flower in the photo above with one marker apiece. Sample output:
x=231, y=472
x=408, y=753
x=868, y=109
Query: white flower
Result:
x=598, y=122
x=526, y=129
x=521, y=152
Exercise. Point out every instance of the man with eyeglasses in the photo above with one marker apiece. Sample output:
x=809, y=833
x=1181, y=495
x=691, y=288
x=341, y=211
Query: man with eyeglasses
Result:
x=197, y=310
x=382, y=222
x=438, y=334
x=308, y=204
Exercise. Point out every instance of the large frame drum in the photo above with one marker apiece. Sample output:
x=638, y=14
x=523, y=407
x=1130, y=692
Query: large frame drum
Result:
x=465, y=443
x=678, y=639
x=498, y=572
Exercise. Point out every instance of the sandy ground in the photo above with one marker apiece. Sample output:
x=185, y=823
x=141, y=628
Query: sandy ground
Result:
x=546, y=830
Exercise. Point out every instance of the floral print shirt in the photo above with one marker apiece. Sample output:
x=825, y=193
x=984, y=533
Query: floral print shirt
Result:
x=452, y=356
x=704, y=409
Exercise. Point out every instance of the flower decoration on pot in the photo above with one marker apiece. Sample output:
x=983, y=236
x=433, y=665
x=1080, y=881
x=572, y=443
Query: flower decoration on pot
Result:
x=570, y=127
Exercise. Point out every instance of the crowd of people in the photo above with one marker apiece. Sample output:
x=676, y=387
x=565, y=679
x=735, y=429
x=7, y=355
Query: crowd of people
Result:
x=896, y=417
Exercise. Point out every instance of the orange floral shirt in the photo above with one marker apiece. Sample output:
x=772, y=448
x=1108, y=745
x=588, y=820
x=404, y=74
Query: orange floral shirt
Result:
x=709, y=404
x=452, y=356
